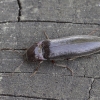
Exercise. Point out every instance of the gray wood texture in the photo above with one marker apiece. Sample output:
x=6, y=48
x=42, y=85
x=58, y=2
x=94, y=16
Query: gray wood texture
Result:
x=21, y=24
x=8, y=10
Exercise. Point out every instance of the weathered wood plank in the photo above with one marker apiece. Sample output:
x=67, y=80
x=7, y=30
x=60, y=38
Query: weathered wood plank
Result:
x=46, y=86
x=61, y=11
x=23, y=35
x=95, y=90
x=17, y=98
x=8, y=10
x=49, y=82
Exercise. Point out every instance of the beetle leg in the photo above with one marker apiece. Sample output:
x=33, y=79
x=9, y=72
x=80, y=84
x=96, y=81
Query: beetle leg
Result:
x=54, y=63
x=93, y=31
x=46, y=35
x=73, y=58
x=36, y=69
x=64, y=66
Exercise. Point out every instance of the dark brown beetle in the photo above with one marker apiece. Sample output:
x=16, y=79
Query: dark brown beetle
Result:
x=70, y=47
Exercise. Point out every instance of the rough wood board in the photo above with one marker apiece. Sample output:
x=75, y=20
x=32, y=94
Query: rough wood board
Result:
x=11, y=97
x=46, y=86
x=50, y=82
x=8, y=10
x=75, y=11
x=59, y=18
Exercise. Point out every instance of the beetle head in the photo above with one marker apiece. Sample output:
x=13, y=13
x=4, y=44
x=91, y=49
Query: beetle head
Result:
x=34, y=53
x=30, y=54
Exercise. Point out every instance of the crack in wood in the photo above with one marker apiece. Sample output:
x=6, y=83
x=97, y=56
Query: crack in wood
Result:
x=11, y=95
x=19, y=11
x=93, y=79
x=48, y=21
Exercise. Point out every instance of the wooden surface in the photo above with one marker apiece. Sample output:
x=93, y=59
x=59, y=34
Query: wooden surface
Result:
x=22, y=23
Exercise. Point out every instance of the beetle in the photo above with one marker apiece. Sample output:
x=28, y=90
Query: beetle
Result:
x=70, y=47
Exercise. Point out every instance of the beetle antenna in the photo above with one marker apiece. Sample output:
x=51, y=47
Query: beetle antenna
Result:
x=14, y=50
x=10, y=50
x=36, y=69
